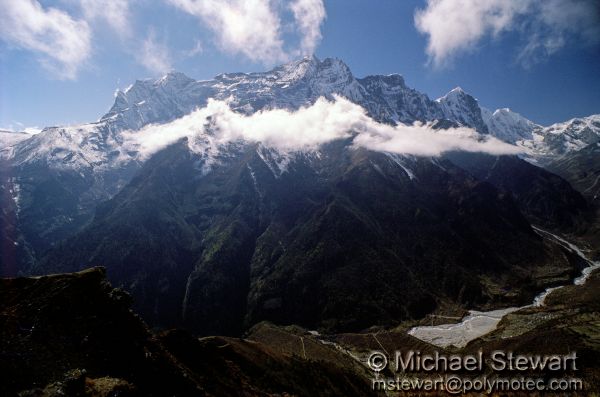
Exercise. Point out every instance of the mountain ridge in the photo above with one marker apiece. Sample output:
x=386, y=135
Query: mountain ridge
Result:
x=291, y=238
x=385, y=97
x=97, y=163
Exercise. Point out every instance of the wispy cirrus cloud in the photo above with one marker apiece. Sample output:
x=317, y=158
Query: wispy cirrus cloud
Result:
x=253, y=28
x=309, y=15
x=61, y=42
x=197, y=49
x=115, y=13
x=17, y=126
x=154, y=55
x=455, y=27
x=556, y=24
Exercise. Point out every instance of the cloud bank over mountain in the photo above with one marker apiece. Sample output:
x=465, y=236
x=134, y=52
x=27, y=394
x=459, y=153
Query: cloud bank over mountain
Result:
x=211, y=127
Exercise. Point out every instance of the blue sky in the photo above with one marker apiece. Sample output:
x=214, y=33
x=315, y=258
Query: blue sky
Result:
x=61, y=61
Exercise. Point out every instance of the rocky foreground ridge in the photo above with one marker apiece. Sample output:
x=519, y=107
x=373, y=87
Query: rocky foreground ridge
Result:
x=74, y=335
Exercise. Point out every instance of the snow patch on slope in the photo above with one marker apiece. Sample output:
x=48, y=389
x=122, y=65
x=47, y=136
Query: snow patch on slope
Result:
x=402, y=162
x=8, y=139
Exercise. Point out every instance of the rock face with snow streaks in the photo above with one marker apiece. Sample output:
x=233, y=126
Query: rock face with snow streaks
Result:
x=292, y=237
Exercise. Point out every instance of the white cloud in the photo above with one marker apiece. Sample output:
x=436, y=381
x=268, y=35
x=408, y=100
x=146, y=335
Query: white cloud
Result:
x=555, y=23
x=215, y=125
x=115, y=13
x=253, y=27
x=154, y=55
x=196, y=50
x=457, y=26
x=32, y=130
x=17, y=126
x=62, y=42
x=309, y=15
x=423, y=140
x=582, y=16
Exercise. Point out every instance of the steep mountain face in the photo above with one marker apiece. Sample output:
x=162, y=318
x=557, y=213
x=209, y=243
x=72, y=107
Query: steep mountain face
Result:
x=63, y=173
x=335, y=238
x=290, y=86
x=581, y=169
x=341, y=240
x=390, y=99
x=541, y=145
x=563, y=138
x=570, y=150
x=60, y=175
x=507, y=125
x=544, y=198
x=461, y=107
x=147, y=101
x=14, y=249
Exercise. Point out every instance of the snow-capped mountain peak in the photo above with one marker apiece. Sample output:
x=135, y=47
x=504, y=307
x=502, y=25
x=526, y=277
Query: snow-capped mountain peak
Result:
x=572, y=135
x=456, y=92
x=385, y=98
x=507, y=125
x=296, y=70
x=504, y=111
x=175, y=78
x=150, y=101
x=92, y=162
x=459, y=106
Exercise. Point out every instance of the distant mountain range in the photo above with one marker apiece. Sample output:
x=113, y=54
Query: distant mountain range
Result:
x=340, y=238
